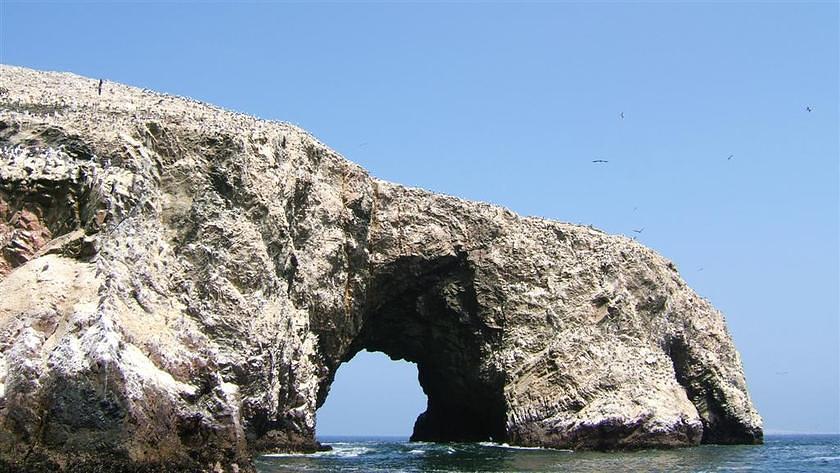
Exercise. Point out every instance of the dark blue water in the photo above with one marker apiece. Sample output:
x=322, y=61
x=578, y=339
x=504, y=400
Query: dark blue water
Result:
x=780, y=453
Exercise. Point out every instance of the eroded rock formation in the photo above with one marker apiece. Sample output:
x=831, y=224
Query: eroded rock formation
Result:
x=179, y=285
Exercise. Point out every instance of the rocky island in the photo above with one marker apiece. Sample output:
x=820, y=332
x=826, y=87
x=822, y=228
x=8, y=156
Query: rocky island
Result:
x=179, y=284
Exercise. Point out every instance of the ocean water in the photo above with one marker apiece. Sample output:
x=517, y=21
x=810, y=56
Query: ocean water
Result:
x=780, y=453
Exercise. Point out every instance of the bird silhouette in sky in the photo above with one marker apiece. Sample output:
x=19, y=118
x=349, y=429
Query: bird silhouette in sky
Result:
x=600, y=161
x=729, y=158
x=621, y=115
x=808, y=108
x=640, y=230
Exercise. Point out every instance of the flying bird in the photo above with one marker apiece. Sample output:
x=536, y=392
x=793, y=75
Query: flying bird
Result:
x=808, y=108
x=730, y=157
x=600, y=161
x=639, y=230
x=621, y=115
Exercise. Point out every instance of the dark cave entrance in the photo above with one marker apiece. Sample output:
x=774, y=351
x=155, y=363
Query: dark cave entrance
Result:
x=425, y=311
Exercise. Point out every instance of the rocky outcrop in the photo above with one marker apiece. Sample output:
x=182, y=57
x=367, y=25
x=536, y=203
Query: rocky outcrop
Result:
x=179, y=285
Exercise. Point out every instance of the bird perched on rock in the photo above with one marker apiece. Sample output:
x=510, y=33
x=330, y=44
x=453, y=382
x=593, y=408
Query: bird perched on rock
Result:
x=99, y=89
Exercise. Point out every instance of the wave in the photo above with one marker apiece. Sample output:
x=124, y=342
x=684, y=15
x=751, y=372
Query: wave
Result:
x=519, y=447
x=339, y=450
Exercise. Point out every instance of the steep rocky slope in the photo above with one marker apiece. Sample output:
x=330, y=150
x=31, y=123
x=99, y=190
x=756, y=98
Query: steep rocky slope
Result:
x=179, y=285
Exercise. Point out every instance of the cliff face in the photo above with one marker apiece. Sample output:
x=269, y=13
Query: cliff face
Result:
x=179, y=285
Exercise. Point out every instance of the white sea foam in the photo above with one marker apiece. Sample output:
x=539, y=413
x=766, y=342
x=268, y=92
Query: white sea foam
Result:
x=339, y=450
x=346, y=451
x=285, y=455
x=517, y=447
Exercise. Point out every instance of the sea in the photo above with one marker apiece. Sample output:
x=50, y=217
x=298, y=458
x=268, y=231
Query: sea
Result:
x=780, y=453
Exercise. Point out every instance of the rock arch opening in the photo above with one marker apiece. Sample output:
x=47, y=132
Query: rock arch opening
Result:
x=371, y=396
x=425, y=311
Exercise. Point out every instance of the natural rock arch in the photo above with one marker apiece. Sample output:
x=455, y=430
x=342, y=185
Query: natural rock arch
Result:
x=188, y=281
x=425, y=312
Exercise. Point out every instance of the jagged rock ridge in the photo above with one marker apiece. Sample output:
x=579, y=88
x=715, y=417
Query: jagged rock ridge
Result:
x=179, y=285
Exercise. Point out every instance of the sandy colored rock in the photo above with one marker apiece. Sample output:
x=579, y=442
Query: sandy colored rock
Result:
x=180, y=283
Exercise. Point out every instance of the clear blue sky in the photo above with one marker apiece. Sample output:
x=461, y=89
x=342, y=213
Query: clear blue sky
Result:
x=509, y=104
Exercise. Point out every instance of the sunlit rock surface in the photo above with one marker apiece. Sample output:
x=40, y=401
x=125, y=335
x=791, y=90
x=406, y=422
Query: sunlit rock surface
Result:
x=180, y=283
